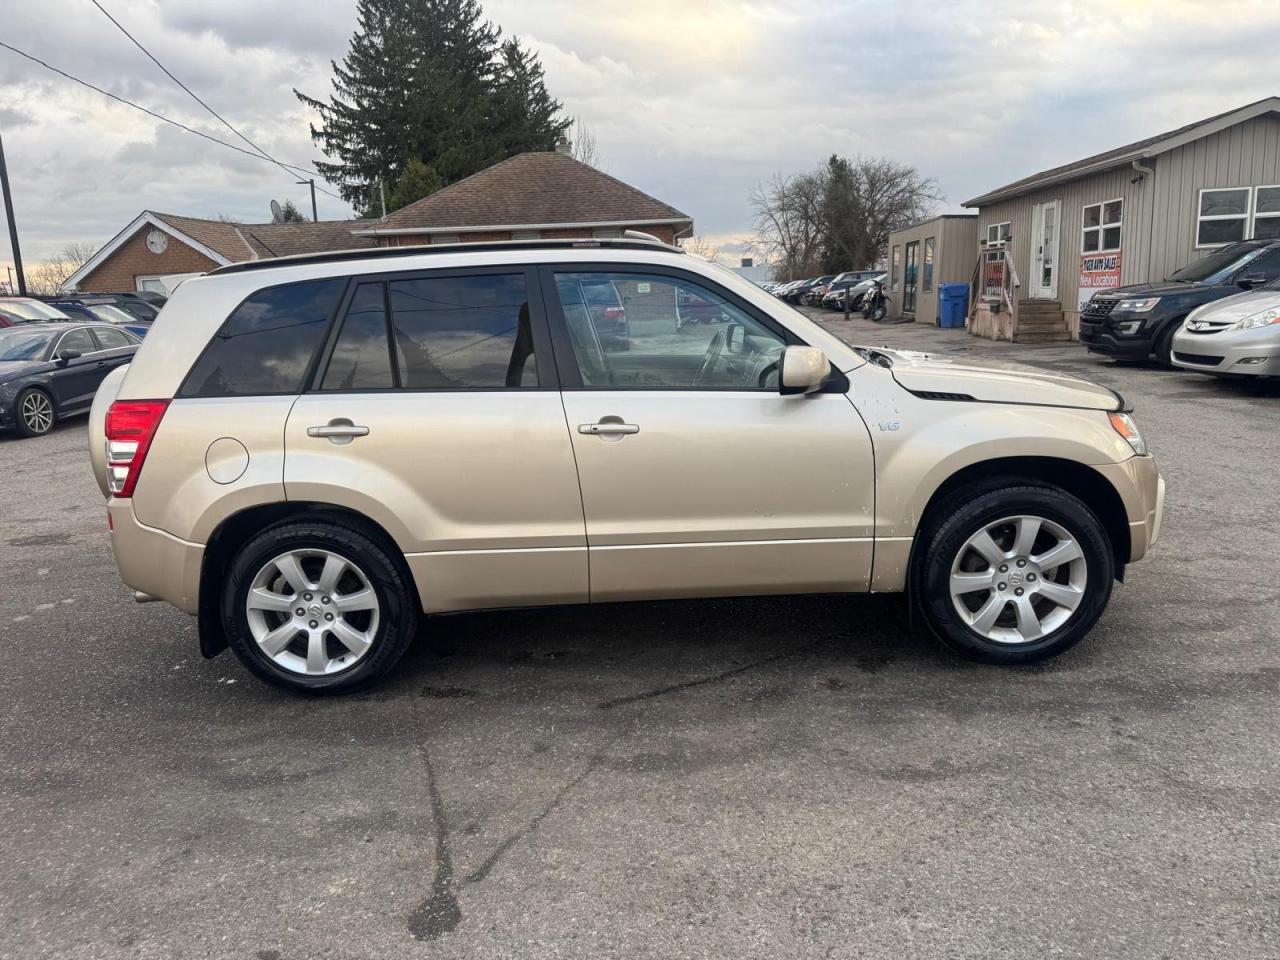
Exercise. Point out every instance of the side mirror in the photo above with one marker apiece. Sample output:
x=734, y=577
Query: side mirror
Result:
x=804, y=370
x=66, y=356
x=1251, y=281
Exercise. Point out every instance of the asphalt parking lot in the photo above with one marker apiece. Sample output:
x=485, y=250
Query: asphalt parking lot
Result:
x=752, y=778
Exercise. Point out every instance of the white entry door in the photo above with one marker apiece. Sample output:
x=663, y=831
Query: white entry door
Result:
x=1044, y=252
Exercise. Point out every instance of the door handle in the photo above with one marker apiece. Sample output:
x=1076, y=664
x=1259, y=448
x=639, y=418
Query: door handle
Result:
x=611, y=428
x=338, y=431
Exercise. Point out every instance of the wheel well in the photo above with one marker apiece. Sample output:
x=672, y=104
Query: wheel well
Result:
x=1077, y=479
x=236, y=530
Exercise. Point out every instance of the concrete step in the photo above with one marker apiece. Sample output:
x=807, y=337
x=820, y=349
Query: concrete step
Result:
x=1041, y=323
x=1052, y=304
x=1037, y=311
x=1041, y=336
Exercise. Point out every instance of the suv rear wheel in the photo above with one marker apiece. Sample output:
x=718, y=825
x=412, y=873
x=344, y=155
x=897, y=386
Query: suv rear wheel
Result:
x=317, y=607
x=1014, y=574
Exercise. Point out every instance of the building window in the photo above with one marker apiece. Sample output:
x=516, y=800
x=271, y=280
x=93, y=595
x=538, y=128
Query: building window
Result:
x=1223, y=216
x=607, y=233
x=1266, y=213
x=926, y=280
x=1101, y=227
x=997, y=232
x=444, y=238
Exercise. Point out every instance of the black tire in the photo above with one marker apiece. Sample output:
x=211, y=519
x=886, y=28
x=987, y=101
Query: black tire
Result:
x=395, y=592
x=1164, y=344
x=25, y=429
x=963, y=513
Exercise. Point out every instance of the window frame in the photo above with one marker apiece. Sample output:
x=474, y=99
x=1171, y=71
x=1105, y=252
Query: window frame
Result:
x=1254, y=215
x=543, y=353
x=566, y=360
x=1002, y=235
x=1247, y=216
x=1102, y=227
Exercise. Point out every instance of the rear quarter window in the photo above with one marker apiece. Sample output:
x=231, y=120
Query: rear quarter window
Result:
x=266, y=346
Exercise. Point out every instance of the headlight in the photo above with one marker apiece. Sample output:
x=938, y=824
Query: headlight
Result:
x=1123, y=424
x=1258, y=319
x=1138, y=306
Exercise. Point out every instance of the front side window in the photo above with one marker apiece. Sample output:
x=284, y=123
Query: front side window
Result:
x=265, y=347
x=1223, y=216
x=463, y=332
x=77, y=341
x=1101, y=227
x=633, y=331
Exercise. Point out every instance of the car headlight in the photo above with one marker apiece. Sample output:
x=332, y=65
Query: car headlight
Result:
x=1138, y=306
x=1122, y=423
x=1258, y=319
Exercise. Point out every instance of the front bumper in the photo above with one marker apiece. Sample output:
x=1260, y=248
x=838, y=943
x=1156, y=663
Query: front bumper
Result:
x=1141, y=489
x=154, y=562
x=1245, y=353
x=1100, y=336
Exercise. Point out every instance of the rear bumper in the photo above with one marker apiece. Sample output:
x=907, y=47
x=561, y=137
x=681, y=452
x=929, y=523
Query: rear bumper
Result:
x=154, y=562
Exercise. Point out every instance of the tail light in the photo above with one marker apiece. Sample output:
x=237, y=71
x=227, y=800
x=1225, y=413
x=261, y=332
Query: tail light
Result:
x=130, y=426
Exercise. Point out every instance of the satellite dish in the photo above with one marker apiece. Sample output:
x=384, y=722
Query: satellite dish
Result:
x=277, y=214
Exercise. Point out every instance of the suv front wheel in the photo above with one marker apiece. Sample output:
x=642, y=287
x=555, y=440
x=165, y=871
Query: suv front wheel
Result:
x=317, y=607
x=1014, y=574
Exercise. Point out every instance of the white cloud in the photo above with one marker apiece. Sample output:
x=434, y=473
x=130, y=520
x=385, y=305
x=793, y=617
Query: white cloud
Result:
x=694, y=102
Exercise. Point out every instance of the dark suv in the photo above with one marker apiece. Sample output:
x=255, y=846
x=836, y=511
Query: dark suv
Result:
x=1139, y=321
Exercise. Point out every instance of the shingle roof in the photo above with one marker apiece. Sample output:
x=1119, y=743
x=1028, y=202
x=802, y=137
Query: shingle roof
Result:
x=1121, y=155
x=533, y=189
x=238, y=242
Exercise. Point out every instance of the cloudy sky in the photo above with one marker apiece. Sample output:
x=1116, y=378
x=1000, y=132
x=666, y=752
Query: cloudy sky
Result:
x=694, y=101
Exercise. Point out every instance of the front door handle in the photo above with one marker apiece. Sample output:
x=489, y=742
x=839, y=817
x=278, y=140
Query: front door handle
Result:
x=609, y=428
x=338, y=431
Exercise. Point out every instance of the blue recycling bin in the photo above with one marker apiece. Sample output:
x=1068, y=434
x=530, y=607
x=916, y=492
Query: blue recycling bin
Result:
x=953, y=304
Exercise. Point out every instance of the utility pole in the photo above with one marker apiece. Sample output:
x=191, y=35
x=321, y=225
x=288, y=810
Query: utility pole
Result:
x=315, y=217
x=13, y=226
x=382, y=192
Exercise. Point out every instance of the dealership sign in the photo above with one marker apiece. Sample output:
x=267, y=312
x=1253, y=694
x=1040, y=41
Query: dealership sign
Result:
x=1098, y=271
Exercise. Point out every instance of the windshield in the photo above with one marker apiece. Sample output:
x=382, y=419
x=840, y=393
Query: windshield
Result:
x=105, y=311
x=32, y=310
x=17, y=344
x=1218, y=265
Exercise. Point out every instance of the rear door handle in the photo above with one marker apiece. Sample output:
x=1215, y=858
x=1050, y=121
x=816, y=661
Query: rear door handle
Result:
x=338, y=431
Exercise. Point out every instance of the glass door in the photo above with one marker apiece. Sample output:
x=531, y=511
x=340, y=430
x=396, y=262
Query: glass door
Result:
x=1045, y=276
x=910, y=277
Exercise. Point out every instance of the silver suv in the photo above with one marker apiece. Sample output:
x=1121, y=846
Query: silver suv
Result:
x=311, y=454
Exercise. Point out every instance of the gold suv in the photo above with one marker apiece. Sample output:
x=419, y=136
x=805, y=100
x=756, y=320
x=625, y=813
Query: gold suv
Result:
x=311, y=454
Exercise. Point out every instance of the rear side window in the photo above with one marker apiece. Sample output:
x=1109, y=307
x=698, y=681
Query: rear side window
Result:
x=362, y=356
x=459, y=333
x=266, y=345
x=112, y=339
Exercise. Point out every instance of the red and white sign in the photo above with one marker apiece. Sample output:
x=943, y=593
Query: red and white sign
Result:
x=1098, y=271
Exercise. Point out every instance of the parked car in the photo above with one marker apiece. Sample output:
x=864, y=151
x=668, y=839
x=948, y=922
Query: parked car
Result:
x=813, y=295
x=26, y=309
x=833, y=298
x=101, y=311
x=51, y=369
x=374, y=469
x=608, y=312
x=1238, y=336
x=1139, y=321
x=142, y=305
x=860, y=289
x=797, y=290
x=781, y=290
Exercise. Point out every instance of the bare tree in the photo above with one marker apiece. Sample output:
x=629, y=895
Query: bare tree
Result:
x=46, y=277
x=839, y=216
x=700, y=246
x=585, y=148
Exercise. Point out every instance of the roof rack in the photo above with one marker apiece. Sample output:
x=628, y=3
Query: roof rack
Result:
x=631, y=240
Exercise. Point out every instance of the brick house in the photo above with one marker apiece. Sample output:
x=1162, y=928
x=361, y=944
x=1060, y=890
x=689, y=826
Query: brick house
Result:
x=529, y=196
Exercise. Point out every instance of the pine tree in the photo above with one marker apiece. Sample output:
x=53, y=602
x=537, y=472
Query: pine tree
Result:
x=429, y=80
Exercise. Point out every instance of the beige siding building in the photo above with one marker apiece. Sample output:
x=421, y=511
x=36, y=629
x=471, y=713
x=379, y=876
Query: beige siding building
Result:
x=1135, y=214
x=925, y=254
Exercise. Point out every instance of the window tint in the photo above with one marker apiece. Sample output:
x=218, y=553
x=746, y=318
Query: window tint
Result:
x=459, y=333
x=266, y=345
x=362, y=356
x=111, y=339
x=661, y=332
x=1267, y=265
x=77, y=340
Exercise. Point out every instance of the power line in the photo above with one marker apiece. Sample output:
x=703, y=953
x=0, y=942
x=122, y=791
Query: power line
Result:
x=157, y=116
x=168, y=73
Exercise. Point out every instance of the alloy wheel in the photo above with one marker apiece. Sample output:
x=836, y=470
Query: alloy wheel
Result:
x=37, y=412
x=1018, y=579
x=312, y=612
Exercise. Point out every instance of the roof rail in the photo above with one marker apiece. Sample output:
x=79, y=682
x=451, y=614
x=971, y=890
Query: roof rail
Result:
x=634, y=240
